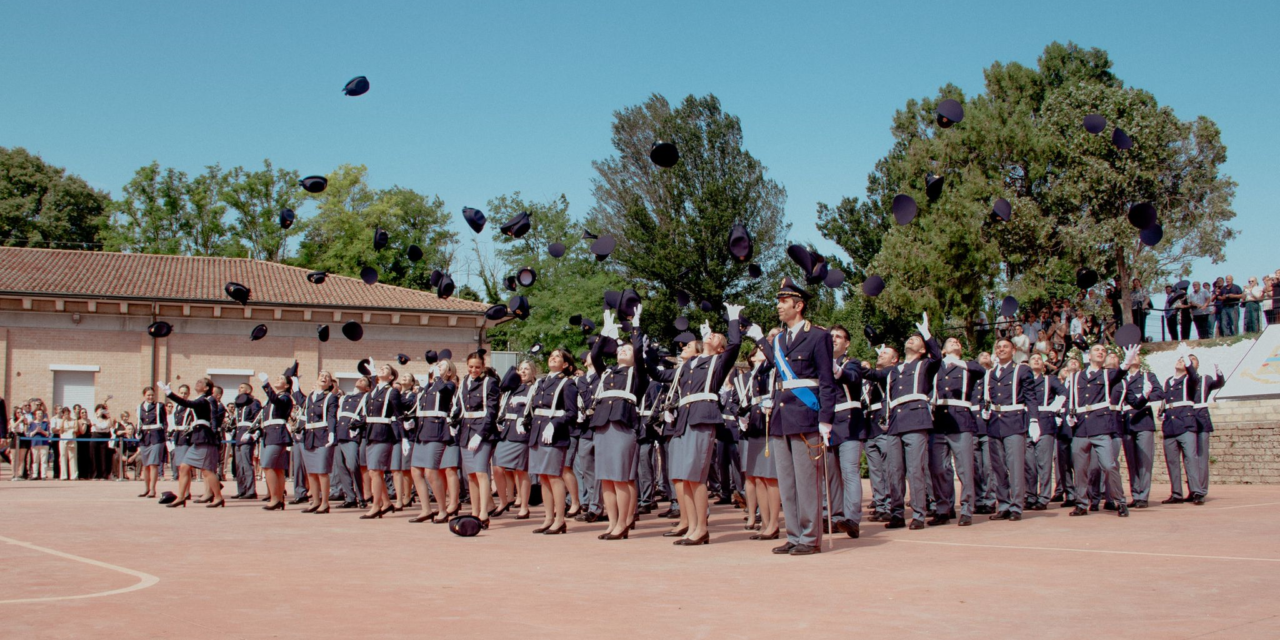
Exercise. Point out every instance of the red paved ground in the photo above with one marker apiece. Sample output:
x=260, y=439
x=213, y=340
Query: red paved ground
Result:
x=239, y=572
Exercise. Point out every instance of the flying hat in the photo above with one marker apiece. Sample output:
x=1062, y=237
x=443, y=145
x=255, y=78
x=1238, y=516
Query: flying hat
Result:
x=1142, y=215
x=168, y=497
x=1128, y=335
x=603, y=246
x=509, y=283
x=380, y=238
x=870, y=332
x=510, y=381
x=872, y=286
x=259, y=332
x=1086, y=278
x=1182, y=284
x=949, y=112
x=1152, y=235
x=365, y=367
x=430, y=356
x=932, y=186
x=356, y=86
x=686, y=338
x=402, y=359
x=446, y=287
x=834, y=279
x=1009, y=306
x=789, y=289
x=1121, y=140
x=287, y=217
x=681, y=323
x=496, y=312
x=754, y=270
x=317, y=277
x=369, y=275
x=314, y=184
x=446, y=354
x=159, y=329
x=740, y=243
x=1002, y=209
x=664, y=154
x=237, y=292
x=353, y=331
x=588, y=325
x=682, y=299
x=707, y=306
x=575, y=320
x=556, y=250
x=588, y=235
x=436, y=274
x=904, y=208
x=517, y=226
x=243, y=399
x=292, y=370
x=518, y=306
x=322, y=332
x=415, y=253
x=526, y=277
x=1094, y=123
x=535, y=349
x=611, y=299
x=474, y=218
x=628, y=302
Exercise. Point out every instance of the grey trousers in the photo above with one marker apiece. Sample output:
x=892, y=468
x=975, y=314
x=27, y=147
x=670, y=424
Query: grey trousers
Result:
x=833, y=485
x=299, y=472
x=1008, y=466
x=1039, y=465
x=878, y=470
x=908, y=456
x=664, y=453
x=729, y=468
x=648, y=483
x=1094, y=452
x=584, y=467
x=245, y=484
x=1202, y=456
x=983, y=478
x=800, y=483
x=1178, y=449
x=943, y=447
x=1065, y=483
x=1139, y=457
x=849, y=457
x=346, y=469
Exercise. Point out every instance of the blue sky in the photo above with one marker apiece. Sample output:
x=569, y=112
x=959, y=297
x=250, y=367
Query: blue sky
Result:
x=473, y=100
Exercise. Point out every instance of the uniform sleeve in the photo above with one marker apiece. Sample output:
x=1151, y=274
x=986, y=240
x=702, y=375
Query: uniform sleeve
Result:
x=570, y=392
x=826, y=380
x=492, y=408
x=1027, y=389
x=331, y=408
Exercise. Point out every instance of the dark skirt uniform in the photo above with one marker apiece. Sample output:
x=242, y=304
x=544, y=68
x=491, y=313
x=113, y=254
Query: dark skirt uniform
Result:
x=152, y=419
x=431, y=436
x=614, y=417
x=402, y=455
x=1138, y=438
x=512, y=450
x=180, y=436
x=384, y=429
x=276, y=439
x=1179, y=431
x=203, y=450
x=476, y=408
x=320, y=431
x=555, y=405
x=755, y=463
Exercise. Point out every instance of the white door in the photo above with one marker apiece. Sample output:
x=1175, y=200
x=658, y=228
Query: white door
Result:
x=348, y=385
x=229, y=384
x=72, y=388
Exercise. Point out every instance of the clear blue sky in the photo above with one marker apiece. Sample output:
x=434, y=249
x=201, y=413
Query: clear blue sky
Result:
x=473, y=100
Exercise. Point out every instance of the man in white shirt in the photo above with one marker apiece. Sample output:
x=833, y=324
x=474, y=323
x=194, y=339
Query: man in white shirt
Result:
x=1198, y=297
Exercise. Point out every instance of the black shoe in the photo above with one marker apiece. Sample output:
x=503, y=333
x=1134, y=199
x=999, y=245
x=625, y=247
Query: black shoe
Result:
x=1197, y=500
x=984, y=510
x=1123, y=511
x=267, y=499
x=1040, y=507
x=1069, y=503
x=876, y=517
x=362, y=504
x=1093, y=507
x=915, y=525
x=299, y=500
x=849, y=527
x=965, y=521
x=895, y=523
x=761, y=536
x=252, y=496
x=938, y=520
x=235, y=497
x=804, y=550
x=1138, y=504
x=564, y=528
x=784, y=549
x=595, y=517
x=669, y=513
x=1172, y=500
x=1057, y=497
x=350, y=504
x=1109, y=505
x=693, y=542
x=1015, y=516
x=1079, y=511
x=676, y=533
x=646, y=509
x=1003, y=515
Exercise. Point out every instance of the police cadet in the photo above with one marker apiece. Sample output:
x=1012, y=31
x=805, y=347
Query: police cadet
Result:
x=584, y=459
x=953, y=434
x=800, y=424
x=511, y=455
x=909, y=386
x=615, y=422
x=319, y=416
x=346, y=455
x=984, y=482
x=1204, y=428
x=876, y=411
x=849, y=433
x=384, y=431
x=179, y=433
x=1178, y=426
x=476, y=403
x=1142, y=392
x=245, y=418
x=432, y=439
x=650, y=415
x=203, y=451
x=548, y=417
x=762, y=475
x=1089, y=410
x=1051, y=395
x=152, y=420
x=725, y=481
x=1008, y=393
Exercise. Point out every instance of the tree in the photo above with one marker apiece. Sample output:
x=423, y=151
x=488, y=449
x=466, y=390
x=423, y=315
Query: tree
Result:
x=151, y=215
x=256, y=199
x=672, y=225
x=210, y=235
x=42, y=206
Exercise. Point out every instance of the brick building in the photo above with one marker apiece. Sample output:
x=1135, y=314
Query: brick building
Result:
x=73, y=324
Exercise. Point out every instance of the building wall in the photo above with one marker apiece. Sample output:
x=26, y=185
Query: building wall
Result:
x=129, y=359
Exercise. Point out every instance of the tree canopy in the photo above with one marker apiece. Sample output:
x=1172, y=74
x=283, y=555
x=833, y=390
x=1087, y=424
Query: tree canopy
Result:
x=42, y=206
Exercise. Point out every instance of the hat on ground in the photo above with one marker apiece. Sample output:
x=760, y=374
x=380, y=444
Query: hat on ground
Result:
x=317, y=277
x=287, y=217
x=369, y=275
x=740, y=243
x=237, y=292
x=159, y=329
x=949, y=112
x=259, y=332
x=474, y=218
x=904, y=208
x=517, y=226
x=664, y=154
x=356, y=86
x=353, y=331
x=322, y=332
x=314, y=184
x=168, y=497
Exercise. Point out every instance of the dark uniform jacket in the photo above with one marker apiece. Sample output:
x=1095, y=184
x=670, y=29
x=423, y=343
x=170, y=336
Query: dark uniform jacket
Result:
x=555, y=402
x=1008, y=393
x=477, y=407
x=1204, y=423
x=275, y=428
x=850, y=421
x=320, y=416
x=152, y=422
x=244, y=417
x=350, y=417
x=761, y=388
x=1179, y=410
x=1141, y=390
x=431, y=412
x=1089, y=402
x=1048, y=389
x=383, y=409
x=953, y=407
x=809, y=354
x=513, y=405
x=201, y=418
x=697, y=382
x=908, y=387
x=617, y=391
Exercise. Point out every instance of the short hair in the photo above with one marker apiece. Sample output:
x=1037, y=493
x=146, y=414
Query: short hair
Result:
x=836, y=327
x=146, y=389
x=1004, y=339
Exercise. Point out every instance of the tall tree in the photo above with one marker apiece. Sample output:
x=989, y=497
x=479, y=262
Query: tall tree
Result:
x=151, y=215
x=42, y=206
x=672, y=225
x=210, y=235
x=256, y=199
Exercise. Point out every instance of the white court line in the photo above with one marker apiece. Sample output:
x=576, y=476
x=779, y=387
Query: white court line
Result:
x=144, y=579
x=1106, y=551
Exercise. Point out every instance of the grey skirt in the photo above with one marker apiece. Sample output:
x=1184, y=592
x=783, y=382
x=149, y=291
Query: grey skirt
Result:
x=153, y=455
x=476, y=461
x=546, y=460
x=378, y=455
x=362, y=456
x=691, y=453
x=617, y=453
x=511, y=455
x=570, y=454
x=754, y=463
x=428, y=455
x=275, y=456
x=400, y=461
x=179, y=452
x=452, y=458
x=318, y=461
x=202, y=456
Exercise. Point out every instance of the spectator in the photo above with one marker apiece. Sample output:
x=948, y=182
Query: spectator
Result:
x=1140, y=303
x=84, y=458
x=70, y=467
x=1182, y=304
x=100, y=449
x=1253, y=296
x=1201, y=312
x=1021, y=344
x=1216, y=296
x=1171, y=301
x=1269, y=289
x=1077, y=331
x=1232, y=296
x=21, y=446
x=39, y=433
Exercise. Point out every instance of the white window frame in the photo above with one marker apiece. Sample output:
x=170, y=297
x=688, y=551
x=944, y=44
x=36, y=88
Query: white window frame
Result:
x=75, y=367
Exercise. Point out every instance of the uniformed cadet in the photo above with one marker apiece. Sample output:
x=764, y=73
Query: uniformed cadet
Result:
x=1091, y=413
x=583, y=463
x=152, y=422
x=431, y=436
x=1204, y=428
x=476, y=411
x=318, y=413
x=202, y=453
x=984, y=482
x=800, y=423
x=219, y=424
x=1008, y=394
x=402, y=489
x=877, y=414
x=511, y=455
x=275, y=437
x=725, y=480
x=616, y=424
x=384, y=431
x=849, y=433
x=647, y=472
x=548, y=418
x=179, y=433
x=1064, y=479
x=245, y=419
x=1051, y=395
x=346, y=456
x=762, y=474
x=909, y=386
x=1178, y=427
x=1142, y=393
x=953, y=434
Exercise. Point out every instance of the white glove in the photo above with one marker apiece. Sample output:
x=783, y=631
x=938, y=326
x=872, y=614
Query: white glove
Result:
x=1130, y=356
x=733, y=310
x=164, y=387
x=1217, y=371
x=263, y=377
x=245, y=437
x=825, y=429
x=168, y=445
x=610, y=328
x=923, y=327
x=547, y=431
x=1183, y=351
x=1071, y=420
x=986, y=414
x=705, y=329
x=635, y=319
x=1035, y=431
x=667, y=416
x=330, y=442
x=755, y=333
x=404, y=446
x=474, y=444
x=296, y=385
x=742, y=424
x=520, y=427
x=879, y=349
x=453, y=430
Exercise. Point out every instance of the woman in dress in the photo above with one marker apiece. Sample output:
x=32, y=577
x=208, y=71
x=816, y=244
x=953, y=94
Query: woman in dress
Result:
x=276, y=438
x=511, y=455
x=431, y=439
x=761, y=474
x=551, y=412
x=202, y=453
x=70, y=465
x=617, y=424
x=476, y=412
x=384, y=432
x=319, y=415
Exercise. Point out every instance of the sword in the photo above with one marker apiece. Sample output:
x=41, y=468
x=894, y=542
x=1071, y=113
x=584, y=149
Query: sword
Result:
x=825, y=487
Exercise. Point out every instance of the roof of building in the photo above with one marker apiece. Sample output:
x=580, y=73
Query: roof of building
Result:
x=134, y=276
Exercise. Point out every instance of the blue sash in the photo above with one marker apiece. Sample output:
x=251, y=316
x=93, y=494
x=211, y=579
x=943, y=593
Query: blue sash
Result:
x=804, y=394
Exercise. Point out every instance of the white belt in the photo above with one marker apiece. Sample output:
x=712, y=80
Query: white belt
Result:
x=200, y=423
x=646, y=414
x=910, y=397
x=1202, y=405
x=548, y=413
x=373, y=420
x=953, y=402
x=151, y=427
x=348, y=414
x=617, y=393
x=845, y=406
x=433, y=414
x=471, y=415
x=757, y=399
x=317, y=425
x=273, y=423
x=511, y=416
x=728, y=417
x=699, y=397
x=875, y=406
x=799, y=382
x=1002, y=408
x=1093, y=407
x=244, y=424
x=1180, y=403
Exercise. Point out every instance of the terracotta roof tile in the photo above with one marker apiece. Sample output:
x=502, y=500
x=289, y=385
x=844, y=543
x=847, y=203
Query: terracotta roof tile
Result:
x=56, y=272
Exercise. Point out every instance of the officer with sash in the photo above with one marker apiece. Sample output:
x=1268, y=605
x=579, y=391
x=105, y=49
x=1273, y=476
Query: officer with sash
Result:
x=1090, y=412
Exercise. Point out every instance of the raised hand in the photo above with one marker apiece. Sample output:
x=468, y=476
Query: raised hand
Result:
x=755, y=333
x=923, y=326
x=733, y=310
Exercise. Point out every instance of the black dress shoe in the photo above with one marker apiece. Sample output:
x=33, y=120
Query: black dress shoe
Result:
x=1015, y=516
x=915, y=525
x=1069, y=503
x=876, y=517
x=761, y=536
x=1093, y=507
x=1172, y=500
x=350, y=504
x=237, y=497
x=1057, y=497
x=983, y=510
x=1197, y=500
x=252, y=496
x=1003, y=515
x=965, y=521
x=1138, y=504
x=1109, y=505
x=1040, y=507
x=595, y=517
x=784, y=549
x=895, y=523
x=1123, y=511
x=299, y=500
x=1079, y=511
x=804, y=550
x=938, y=520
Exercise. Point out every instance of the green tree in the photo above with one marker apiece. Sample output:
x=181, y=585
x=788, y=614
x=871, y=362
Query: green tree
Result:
x=210, y=235
x=151, y=216
x=42, y=206
x=256, y=199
